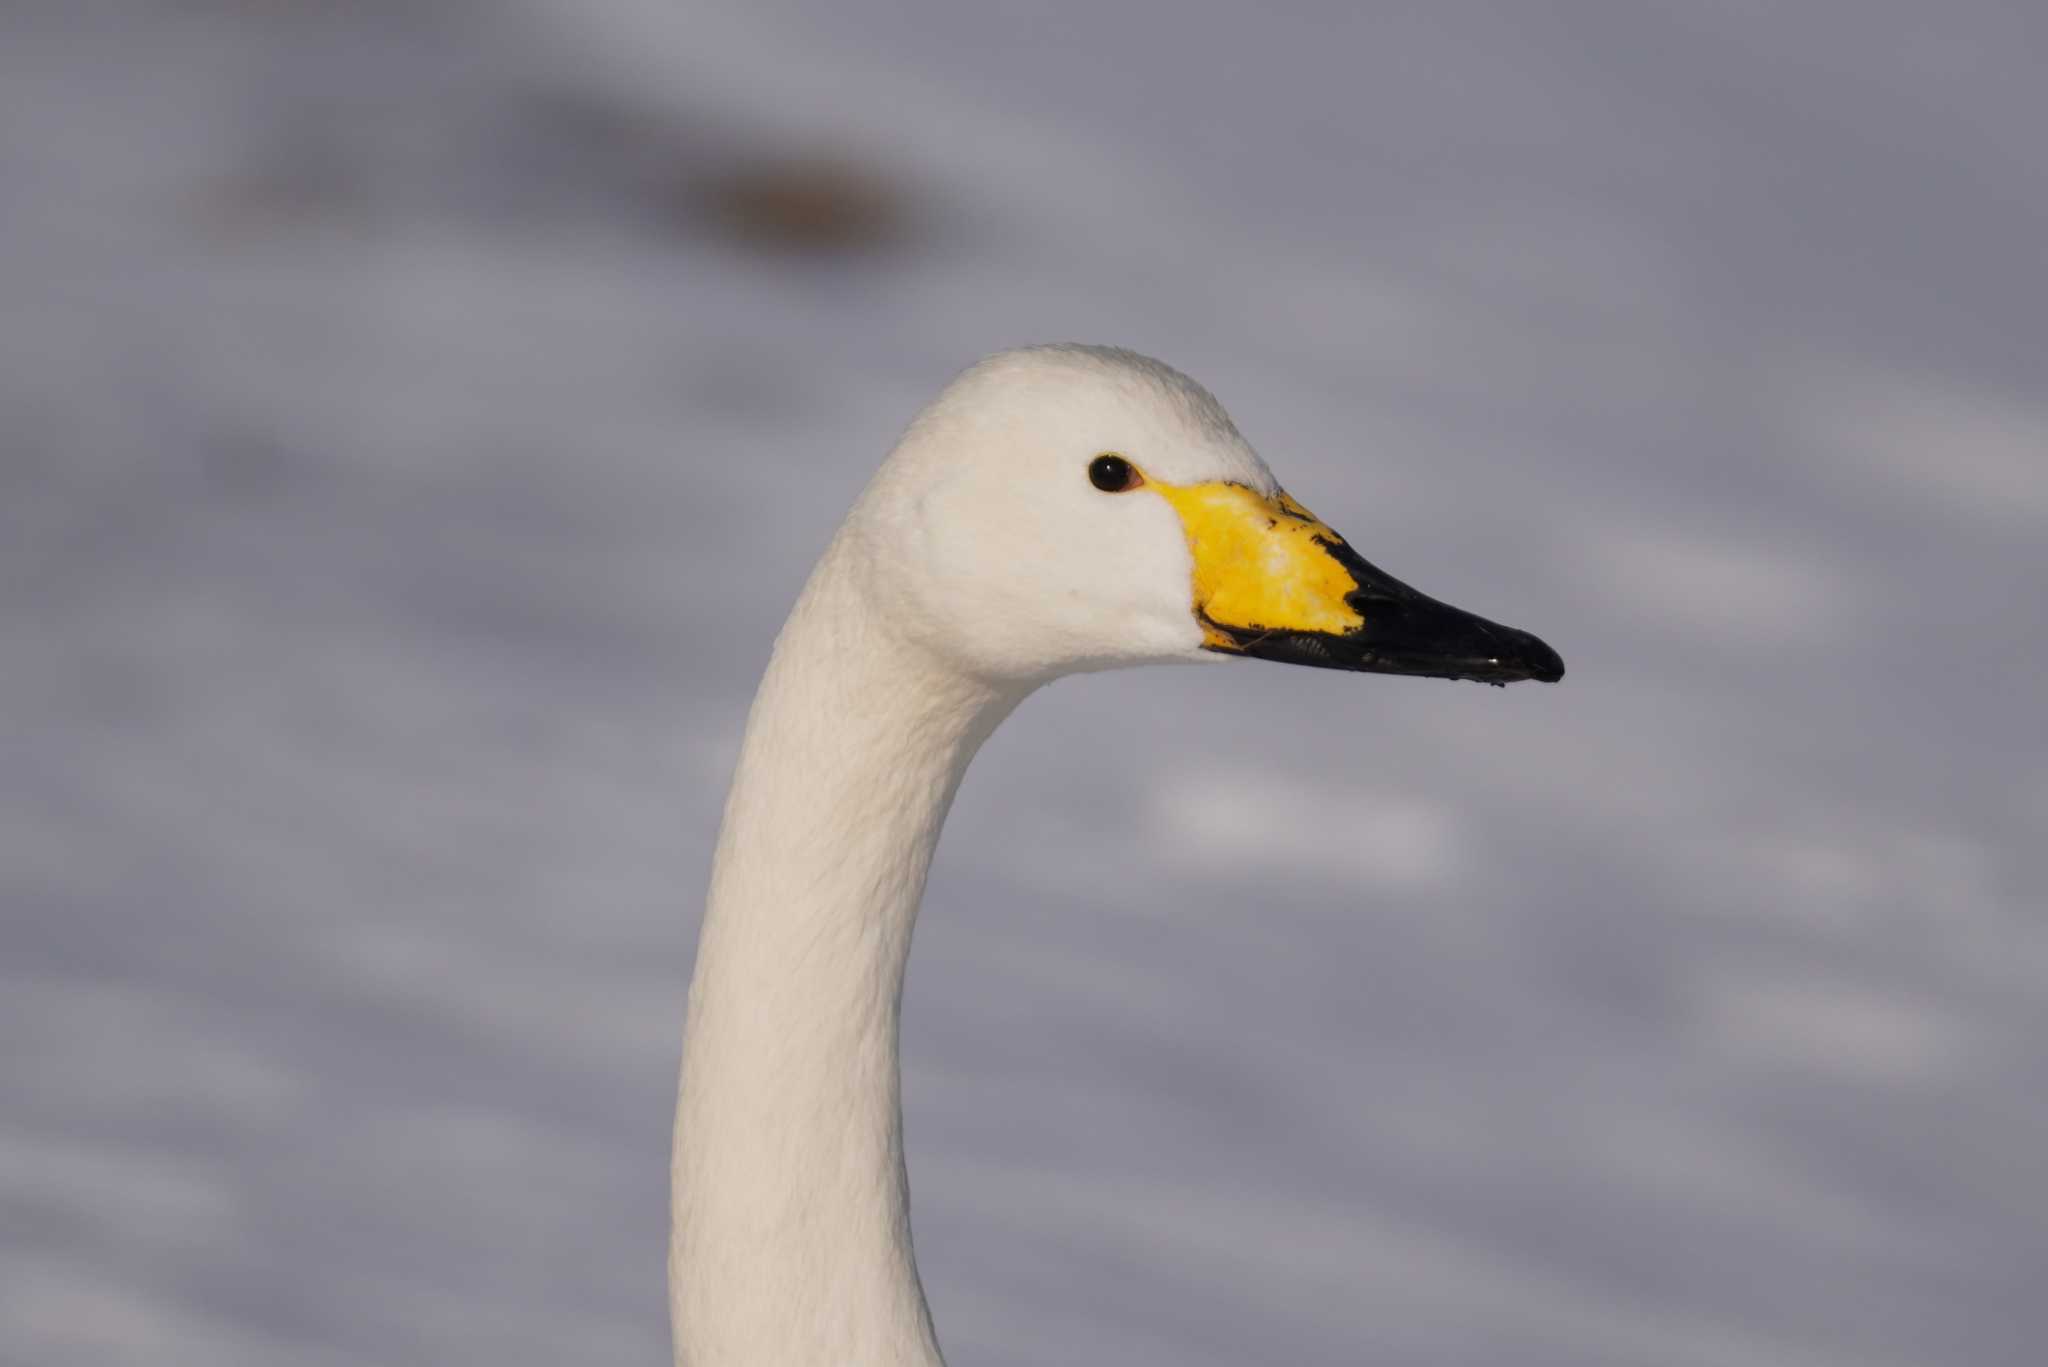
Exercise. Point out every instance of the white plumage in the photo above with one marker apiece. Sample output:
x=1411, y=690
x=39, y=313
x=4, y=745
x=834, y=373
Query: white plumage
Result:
x=994, y=551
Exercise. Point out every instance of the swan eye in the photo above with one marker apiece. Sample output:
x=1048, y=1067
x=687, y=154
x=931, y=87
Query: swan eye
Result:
x=1113, y=474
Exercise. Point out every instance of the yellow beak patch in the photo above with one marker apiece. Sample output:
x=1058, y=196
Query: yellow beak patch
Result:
x=1259, y=564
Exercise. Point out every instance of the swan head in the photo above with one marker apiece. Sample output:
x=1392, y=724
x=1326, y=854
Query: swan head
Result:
x=1060, y=509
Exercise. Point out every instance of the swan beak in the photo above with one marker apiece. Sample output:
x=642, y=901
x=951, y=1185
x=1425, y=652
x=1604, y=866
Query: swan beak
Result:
x=1272, y=581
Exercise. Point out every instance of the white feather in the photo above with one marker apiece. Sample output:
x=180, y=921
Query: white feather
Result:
x=978, y=564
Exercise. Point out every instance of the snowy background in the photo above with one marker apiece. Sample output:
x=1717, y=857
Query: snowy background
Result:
x=415, y=419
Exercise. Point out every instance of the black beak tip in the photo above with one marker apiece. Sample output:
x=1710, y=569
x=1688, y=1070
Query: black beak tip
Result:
x=1410, y=635
x=1474, y=648
x=1539, y=662
x=1500, y=656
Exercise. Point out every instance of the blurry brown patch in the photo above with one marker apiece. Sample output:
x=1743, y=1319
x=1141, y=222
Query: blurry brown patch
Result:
x=806, y=205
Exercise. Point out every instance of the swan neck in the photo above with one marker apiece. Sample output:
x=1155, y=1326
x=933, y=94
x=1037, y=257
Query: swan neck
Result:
x=791, y=1235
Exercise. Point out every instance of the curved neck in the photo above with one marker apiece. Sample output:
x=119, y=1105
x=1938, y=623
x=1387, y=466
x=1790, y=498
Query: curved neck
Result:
x=791, y=1234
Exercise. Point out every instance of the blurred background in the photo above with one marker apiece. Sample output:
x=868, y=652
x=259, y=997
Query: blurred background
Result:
x=419, y=416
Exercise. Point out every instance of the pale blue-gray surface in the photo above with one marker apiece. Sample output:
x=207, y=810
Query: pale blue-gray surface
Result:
x=399, y=496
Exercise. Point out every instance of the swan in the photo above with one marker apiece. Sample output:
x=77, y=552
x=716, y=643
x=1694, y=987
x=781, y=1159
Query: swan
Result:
x=1057, y=509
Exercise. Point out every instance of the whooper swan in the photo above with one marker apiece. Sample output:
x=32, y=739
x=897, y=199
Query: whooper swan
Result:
x=1055, y=510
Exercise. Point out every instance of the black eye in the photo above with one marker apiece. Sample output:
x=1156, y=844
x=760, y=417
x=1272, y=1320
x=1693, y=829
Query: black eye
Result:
x=1113, y=474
